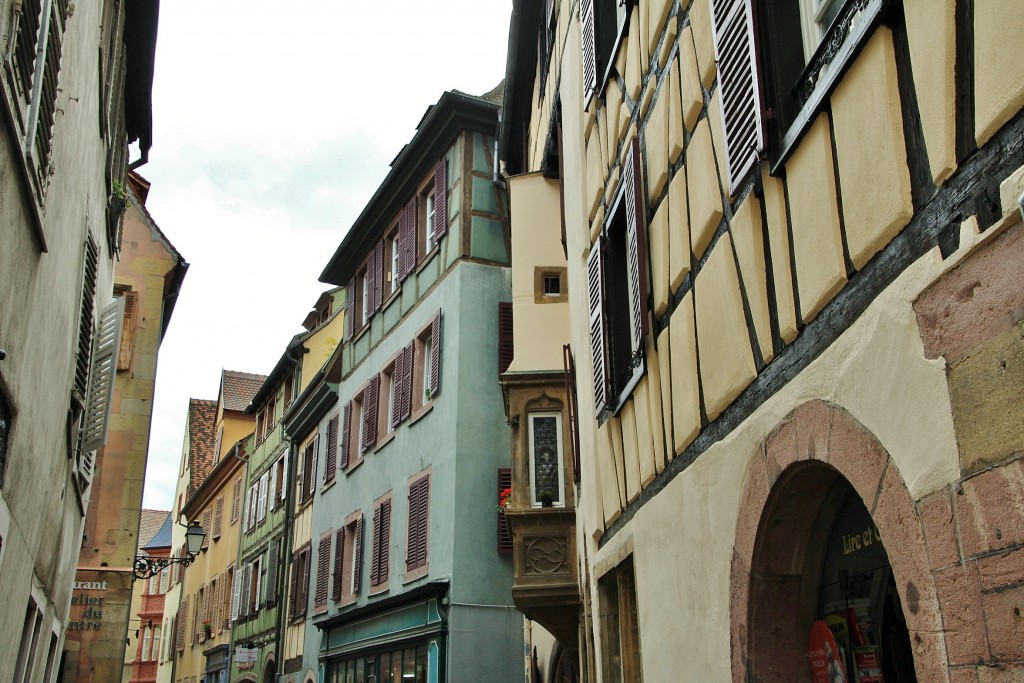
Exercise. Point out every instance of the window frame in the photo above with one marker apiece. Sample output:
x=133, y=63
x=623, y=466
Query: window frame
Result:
x=535, y=499
x=599, y=43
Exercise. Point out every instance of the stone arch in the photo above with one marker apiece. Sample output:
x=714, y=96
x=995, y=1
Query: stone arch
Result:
x=774, y=567
x=270, y=670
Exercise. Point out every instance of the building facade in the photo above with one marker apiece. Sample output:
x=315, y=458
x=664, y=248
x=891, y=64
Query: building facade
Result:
x=148, y=603
x=790, y=229
x=62, y=191
x=401, y=577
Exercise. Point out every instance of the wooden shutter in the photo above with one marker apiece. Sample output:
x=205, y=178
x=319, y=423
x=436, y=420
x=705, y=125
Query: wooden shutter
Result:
x=346, y=432
x=270, y=592
x=407, y=240
x=416, y=546
x=569, y=369
x=124, y=354
x=737, y=79
x=350, y=309
x=357, y=556
x=636, y=246
x=435, y=355
x=383, y=549
x=375, y=547
x=407, y=382
x=293, y=583
x=440, y=200
x=179, y=635
x=24, y=53
x=589, y=46
x=506, y=346
x=312, y=470
x=598, y=348
x=235, y=591
x=101, y=379
x=207, y=518
x=261, y=511
x=48, y=98
x=339, y=564
x=370, y=396
x=90, y=270
x=323, y=563
x=236, y=500
x=218, y=517
x=397, y=378
x=331, y=462
x=304, y=586
x=504, y=533
x=378, y=276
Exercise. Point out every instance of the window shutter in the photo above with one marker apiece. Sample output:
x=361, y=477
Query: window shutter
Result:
x=312, y=470
x=346, y=432
x=589, y=44
x=179, y=636
x=236, y=500
x=257, y=568
x=504, y=533
x=506, y=347
x=235, y=590
x=293, y=583
x=350, y=309
x=253, y=495
x=261, y=512
x=124, y=354
x=357, y=557
x=636, y=246
x=737, y=78
x=595, y=291
x=90, y=269
x=101, y=381
x=48, y=98
x=378, y=276
x=283, y=464
x=435, y=355
x=375, y=547
x=218, y=517
x=339, y=564
x=331, y=462
x=440, y=199
x=207, y=518
x=304, y=586
x=397, y=378
x=270, y=592
x=369, y=431
x=416, y=547
x=407, y=240
x=204, y=613
x=569, y=367
x=323, y=562
x=407, y=382
x=384, y=555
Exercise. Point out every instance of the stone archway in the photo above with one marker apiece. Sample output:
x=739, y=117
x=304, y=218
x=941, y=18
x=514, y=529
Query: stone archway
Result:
x=776, y=565
x=270, y=671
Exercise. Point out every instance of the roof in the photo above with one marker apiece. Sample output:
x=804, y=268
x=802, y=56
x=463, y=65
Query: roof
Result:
x=202, y=414
x=162, y=537
x=150, y=523
x=238, y=388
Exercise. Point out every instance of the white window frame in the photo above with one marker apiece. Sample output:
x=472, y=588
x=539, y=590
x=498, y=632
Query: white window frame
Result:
x=558, y=501
x=428, y=346
x=812, y=29
x=429, y=232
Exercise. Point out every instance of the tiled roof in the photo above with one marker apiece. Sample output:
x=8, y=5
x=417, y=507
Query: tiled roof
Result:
x=238, y=388
x=162, y=538
x=150, y=523
x=202, y=415
x=493, y=96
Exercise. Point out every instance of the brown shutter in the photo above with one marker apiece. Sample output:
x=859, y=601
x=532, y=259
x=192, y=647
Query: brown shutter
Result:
x=737, y=79
x=397, y=378
x=124, y=356
x=350, y=309
x=407, y=239
x=416, y=546
x=346, y=431
x=595, y=292
x=440, y=199
x=569, y=367
x=304, y=600
x=504, y=533
x=407, y=382
x=357, y=556
x=218, y=517
x=369, y=431
x=331, y=462
x=293, y=584
x=636, y=246
x=435, y=355
x=506, y=347
x=179, y=635
x=378, y=276
x=323, y=562
x=384, y=556
x=270, y=588
x=589, y=40
x=207, y=515
x=312, y=470
x=375, y=547
x=236, y=501
x=339, y=564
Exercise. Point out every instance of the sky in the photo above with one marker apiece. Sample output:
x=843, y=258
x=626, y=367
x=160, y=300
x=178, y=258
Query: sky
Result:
x=273, y=124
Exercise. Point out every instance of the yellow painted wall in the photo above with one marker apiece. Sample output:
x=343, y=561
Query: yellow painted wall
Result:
x=321, y=345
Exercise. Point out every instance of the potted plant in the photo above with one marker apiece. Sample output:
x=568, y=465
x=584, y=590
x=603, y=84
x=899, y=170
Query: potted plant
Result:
x=207, y=629
x=504, y=499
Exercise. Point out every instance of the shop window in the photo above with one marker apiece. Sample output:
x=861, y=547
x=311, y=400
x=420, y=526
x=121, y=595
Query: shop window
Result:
x=405, y=665
x=547, y=467
x=619, y=625
x=617, y=293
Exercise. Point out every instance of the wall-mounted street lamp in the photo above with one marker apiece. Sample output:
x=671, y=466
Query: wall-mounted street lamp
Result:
x=145, y=567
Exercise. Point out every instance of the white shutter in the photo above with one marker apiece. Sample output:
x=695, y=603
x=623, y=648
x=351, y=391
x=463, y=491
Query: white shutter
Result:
x=234, y=596
x=243, y=596
x=598, y=354
x=284, y=474
x=253, y=491
x=261, y=508
x=271, y=485
x=636, y=247
x=101, y=376
x=257, y=567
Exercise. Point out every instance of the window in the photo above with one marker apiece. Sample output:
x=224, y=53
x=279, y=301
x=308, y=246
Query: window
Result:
x=323, y=572
x=298, y=593
x=165, y=579
x=131, y=299
x=409, y=665
x=306, y=479
x=547, y=468
x=351, y=431
x=147, y=646
x=253, y=496
x=366, y=287
x=391, y=261
x=617, y=292
x=815, y=18
x=429, y=223
x=368, y=427
x=279, y=477
x=619, y=624
x=253, y=585
x=154, y=651
x=380, y=550
x=550, y=285
x=427, y=363
x=348, y=555
x=386, y=422
x=416, y=549
x=230, y=606
x=603, y=23
x=432, y=223
x=261, y=505
x=218, y=444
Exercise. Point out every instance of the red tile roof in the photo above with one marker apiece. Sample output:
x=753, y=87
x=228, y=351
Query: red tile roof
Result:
x=238, y=388
x=202, y=415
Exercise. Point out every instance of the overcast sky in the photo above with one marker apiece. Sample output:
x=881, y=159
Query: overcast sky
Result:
x=273, y=125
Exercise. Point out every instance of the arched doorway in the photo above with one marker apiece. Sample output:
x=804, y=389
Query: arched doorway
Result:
x=827, y=541
x=270, y=671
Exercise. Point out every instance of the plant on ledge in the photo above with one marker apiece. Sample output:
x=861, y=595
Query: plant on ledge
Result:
x=207, y=629
x=504, y=499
